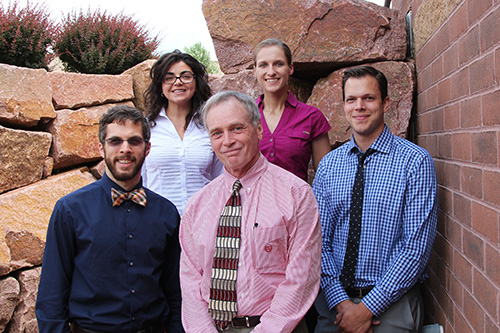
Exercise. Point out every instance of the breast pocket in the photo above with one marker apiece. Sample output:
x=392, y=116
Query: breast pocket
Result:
x=270, y=249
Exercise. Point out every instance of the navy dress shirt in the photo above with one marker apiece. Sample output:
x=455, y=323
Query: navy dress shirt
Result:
x=110, y=269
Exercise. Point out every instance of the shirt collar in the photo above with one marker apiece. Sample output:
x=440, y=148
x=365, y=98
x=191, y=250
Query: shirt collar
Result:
x=290, y=100
x=107, y=184
x=382, y=143
x=250, y=178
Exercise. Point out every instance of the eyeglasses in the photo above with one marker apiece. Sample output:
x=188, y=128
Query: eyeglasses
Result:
x=186, y=77
x=135, y=141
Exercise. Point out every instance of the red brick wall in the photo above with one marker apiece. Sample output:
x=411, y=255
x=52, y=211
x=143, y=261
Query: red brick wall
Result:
x=458, y=122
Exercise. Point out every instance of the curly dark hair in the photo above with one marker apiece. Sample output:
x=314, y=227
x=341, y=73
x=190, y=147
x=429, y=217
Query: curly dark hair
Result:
x=153, y=95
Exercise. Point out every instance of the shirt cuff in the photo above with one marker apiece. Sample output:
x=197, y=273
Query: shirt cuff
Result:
x=376, y=301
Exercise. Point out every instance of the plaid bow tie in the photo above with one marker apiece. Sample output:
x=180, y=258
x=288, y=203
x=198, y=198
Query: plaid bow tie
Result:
x=138, y=196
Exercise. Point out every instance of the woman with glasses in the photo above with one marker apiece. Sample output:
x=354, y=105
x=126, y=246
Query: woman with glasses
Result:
x=181, y=160
x=293, y=131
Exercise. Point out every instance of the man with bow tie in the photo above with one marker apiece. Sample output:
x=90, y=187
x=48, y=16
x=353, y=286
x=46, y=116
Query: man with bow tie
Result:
x=111, y=261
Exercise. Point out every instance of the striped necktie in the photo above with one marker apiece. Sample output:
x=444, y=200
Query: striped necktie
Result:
x=223, y=306
x=138, y=196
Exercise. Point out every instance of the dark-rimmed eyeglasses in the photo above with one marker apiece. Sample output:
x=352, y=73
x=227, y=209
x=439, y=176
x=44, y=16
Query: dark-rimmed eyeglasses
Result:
x=185, y=77
x=135, y=141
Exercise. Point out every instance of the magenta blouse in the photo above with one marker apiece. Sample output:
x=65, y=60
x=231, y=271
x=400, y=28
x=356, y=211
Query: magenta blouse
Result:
x=289, y=146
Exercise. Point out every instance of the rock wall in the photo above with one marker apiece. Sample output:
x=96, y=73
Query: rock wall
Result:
x=49, y=120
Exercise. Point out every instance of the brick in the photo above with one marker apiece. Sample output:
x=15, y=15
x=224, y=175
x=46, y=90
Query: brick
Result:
x=491, y=266
x=425, y=79
x=474, y=248
x=485, y=221
x=460, y=323
x=474, y=314
x=442, y=38
x=458, y=22
x=490, y=326
x=437, y=120
x=454, y=232
x=451, y=172
x=497, y=65
x=470, y=113
x=484, y=147
x=450, y=59
x=490, y=26
x=426, y=54
x=471, y=181
x=491, y=116
x=444, y=145
x=452, y=116
x=437, y=69
x=491, y=180
x=430, y=145
x=462, y=210
x=486, y=293
x=441, y=226
x=432, y=97
x=469, y=46
x=481, y=74
x=477, y=9
x=461, y=84
x=445, y=200
x=421, y=103
x=457, y=291
x=424, y=123
x=463, y=269
x=461, y=146
x=444, y=91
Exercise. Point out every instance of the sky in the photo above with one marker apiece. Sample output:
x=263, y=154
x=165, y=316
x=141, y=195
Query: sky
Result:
x=179, y=24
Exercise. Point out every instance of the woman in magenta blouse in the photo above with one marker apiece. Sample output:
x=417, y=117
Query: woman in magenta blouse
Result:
x=293, y=131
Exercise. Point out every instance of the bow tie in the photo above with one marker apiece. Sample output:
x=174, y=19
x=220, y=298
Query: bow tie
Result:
x=138, y=196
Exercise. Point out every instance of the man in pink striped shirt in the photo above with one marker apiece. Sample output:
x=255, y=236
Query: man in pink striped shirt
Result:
x=280, y=250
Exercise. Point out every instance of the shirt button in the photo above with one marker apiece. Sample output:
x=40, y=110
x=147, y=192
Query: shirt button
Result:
x=133, y=318
x=130, y=236
x=272, y=154
x=128, y=210
x=131, y=264
x=271, y=140
x=133, y=291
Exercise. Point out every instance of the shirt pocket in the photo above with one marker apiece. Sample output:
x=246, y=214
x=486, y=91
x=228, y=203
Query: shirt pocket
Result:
x=270, y=249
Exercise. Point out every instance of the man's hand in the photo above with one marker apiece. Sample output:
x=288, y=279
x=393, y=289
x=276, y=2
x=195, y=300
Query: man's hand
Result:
x=354, y=317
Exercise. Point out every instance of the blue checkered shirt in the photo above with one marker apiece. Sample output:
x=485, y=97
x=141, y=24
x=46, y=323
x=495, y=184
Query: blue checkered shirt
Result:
x=398, y=222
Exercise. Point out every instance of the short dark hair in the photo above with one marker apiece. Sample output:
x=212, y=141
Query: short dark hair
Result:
x=246, y=101
x=154, y=98
x=362, y=71
x=273, y=42
x=119, y=114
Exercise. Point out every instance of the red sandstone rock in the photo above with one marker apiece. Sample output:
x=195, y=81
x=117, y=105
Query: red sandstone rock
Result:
x=24, y=319
x=75, y=134
x=73, y=90
x=25, y=96
x=327, y=96
x=141, y=80
x=322, y=34
x=23, y=155
x=9, y=297
x=26, y=213
x=246, y=82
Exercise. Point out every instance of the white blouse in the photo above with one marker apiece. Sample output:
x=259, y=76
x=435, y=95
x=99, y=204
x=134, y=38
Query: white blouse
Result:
x=177, y=168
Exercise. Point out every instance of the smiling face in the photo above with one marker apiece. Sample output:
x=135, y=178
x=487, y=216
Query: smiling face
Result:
x=178, y=92
x=124, y=162
x=272, y=69
x=234, y=139
x=364, y=109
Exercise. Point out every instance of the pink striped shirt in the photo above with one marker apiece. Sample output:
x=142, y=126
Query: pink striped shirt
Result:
x=280, y=251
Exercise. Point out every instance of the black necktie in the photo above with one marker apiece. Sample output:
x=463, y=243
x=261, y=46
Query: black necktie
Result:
x=351, y=252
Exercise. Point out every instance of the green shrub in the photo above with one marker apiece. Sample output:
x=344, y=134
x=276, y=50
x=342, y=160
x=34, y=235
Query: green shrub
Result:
x=25, y=35
x=99, y=43
x=198, y=51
